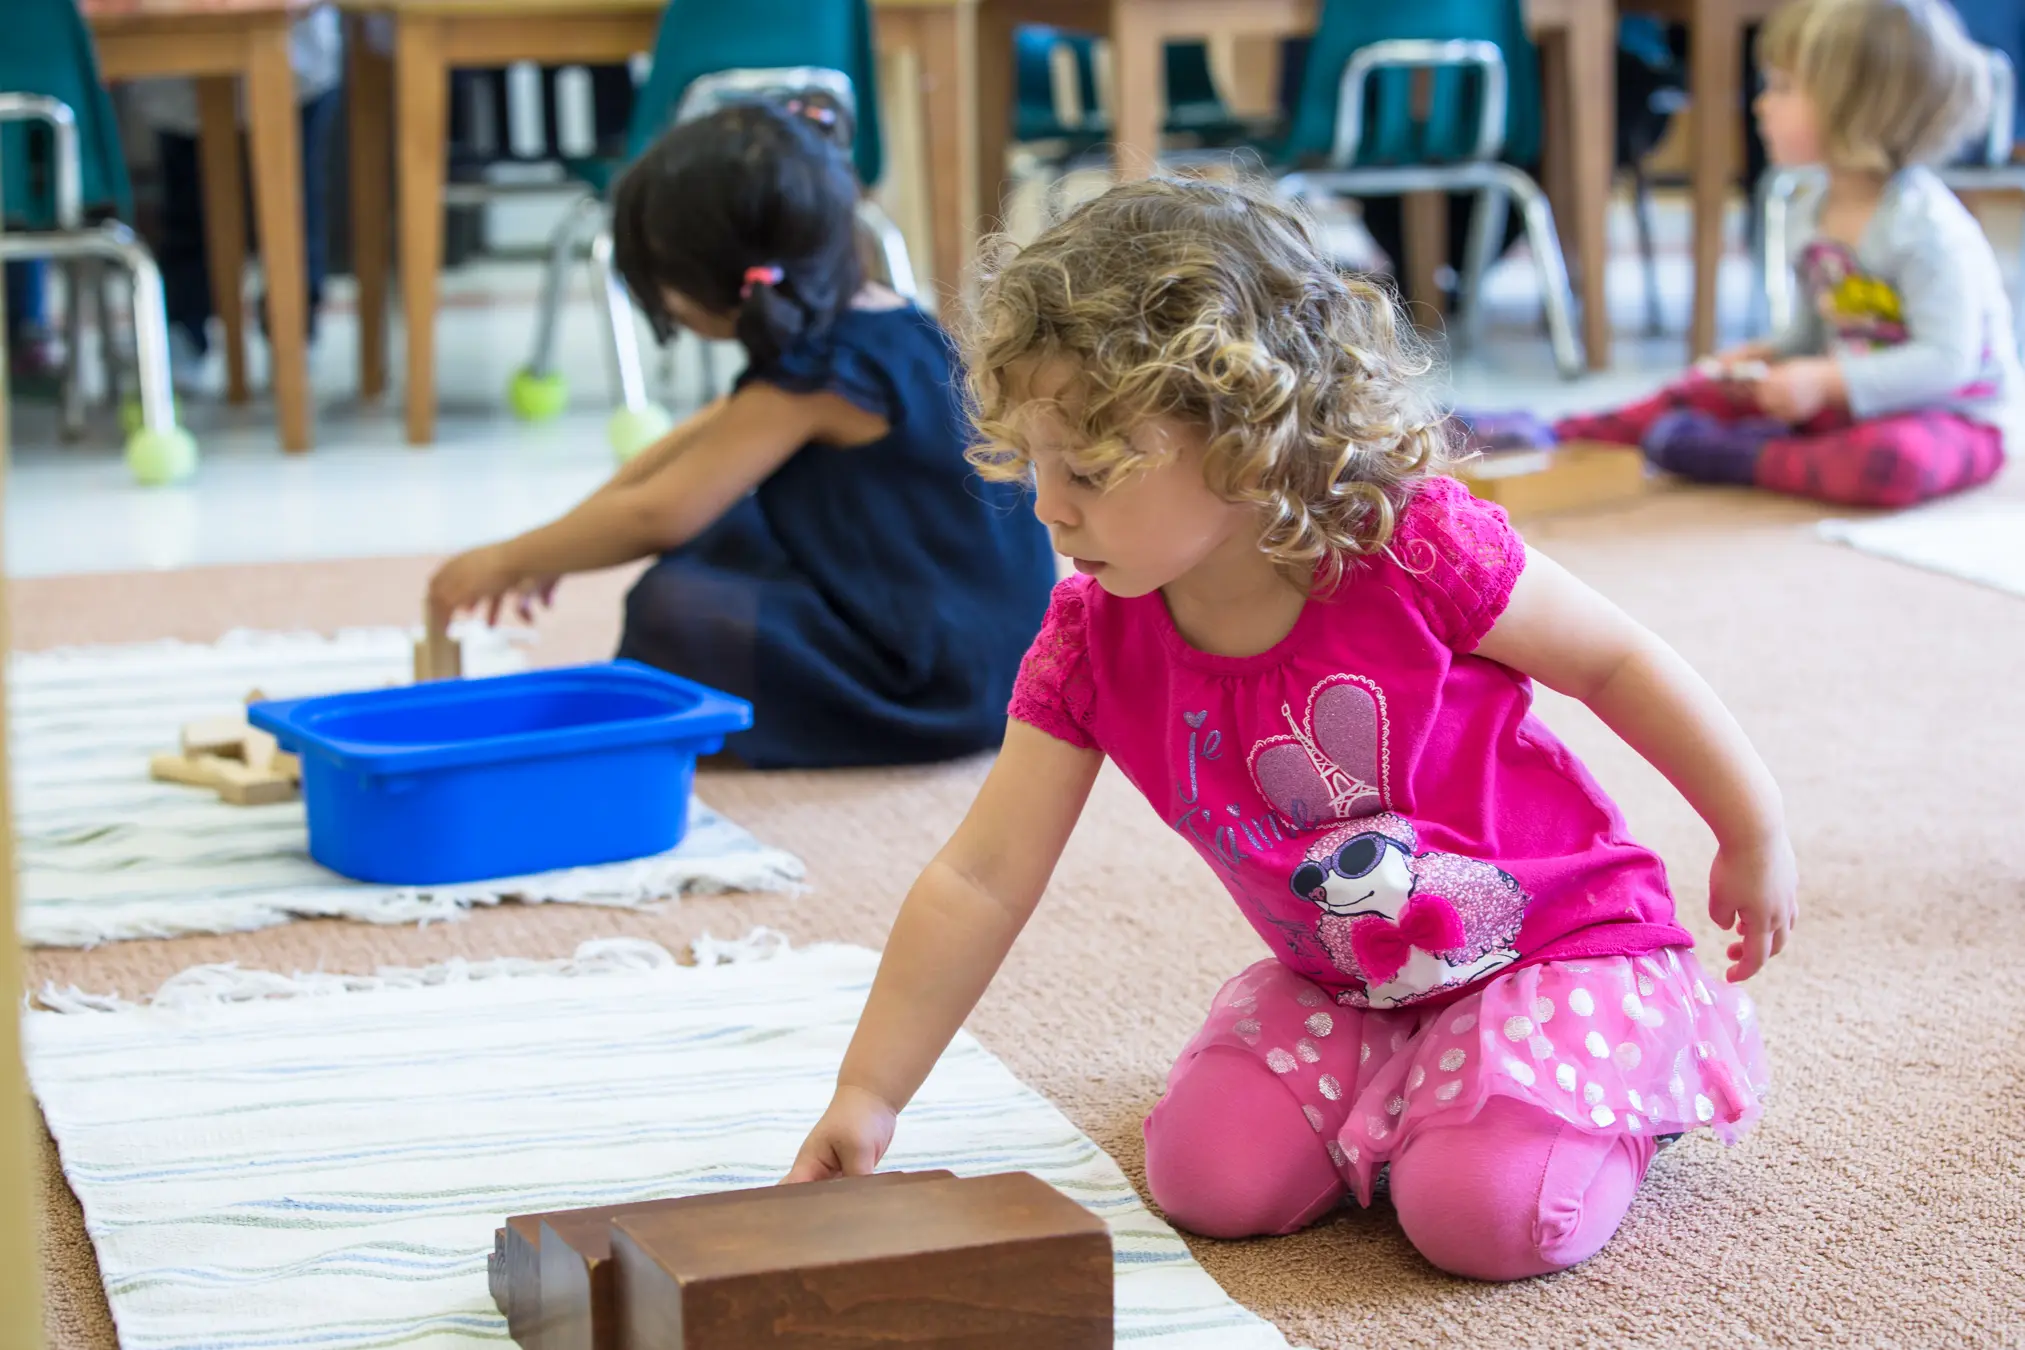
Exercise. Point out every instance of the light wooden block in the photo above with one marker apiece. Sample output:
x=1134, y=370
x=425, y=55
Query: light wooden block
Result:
x=258, y=750
x=1570, y=477
x=243, y=785
x=215, y=735
x=189, y=770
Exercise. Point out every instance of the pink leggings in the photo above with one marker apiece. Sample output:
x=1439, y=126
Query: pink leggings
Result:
x=1512, y=1193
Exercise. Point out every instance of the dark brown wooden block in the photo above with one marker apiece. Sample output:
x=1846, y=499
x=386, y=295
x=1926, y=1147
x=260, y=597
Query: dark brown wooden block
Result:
x=557, y=1266
x=986, y=1263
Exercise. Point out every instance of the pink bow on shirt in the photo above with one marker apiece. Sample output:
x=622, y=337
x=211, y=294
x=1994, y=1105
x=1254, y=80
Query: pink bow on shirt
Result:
x=1429, y=922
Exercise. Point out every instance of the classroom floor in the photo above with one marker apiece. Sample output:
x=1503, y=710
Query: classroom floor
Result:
x=1877, y=1204
x=364, y=492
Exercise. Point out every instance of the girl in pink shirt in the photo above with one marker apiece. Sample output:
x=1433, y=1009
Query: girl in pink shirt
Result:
x=1315, y=656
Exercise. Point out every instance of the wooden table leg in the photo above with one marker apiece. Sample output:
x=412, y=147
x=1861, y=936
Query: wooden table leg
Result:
x=275, y=132
x=949, y=68
x=421, y=83
x=994, y=86
x=224, y=220
x=1716, y=38
x=1423, y=231
x=1138, y=54
x=369, y=109
x=1592, y=101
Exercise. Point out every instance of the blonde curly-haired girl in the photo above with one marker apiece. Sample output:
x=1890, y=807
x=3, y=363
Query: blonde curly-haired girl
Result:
x=1314, y=654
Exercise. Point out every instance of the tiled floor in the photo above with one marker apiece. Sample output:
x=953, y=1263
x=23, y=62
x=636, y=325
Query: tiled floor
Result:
x=363, y=492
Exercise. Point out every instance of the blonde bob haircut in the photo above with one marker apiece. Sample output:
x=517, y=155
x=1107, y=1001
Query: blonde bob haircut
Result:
x=1211, y=304
x=1894, y=82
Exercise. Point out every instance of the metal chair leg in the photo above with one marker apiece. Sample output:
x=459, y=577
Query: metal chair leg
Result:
x=890, y=247
x=586, y=214
x=72, y=396
x=1555, y=297
x=110, y=357
x=151, y=334
x=1487, y=227
x=623, y=340
x=1641, y=213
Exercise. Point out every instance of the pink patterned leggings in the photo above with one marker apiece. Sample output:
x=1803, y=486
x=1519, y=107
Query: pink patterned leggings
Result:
x=1891, y=461
x=1511, y=1193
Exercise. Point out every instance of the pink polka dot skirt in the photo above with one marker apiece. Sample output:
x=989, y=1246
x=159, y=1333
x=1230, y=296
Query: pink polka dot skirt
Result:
x=1646, y=1044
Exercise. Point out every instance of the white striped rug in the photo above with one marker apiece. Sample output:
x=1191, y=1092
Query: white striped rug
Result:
x=320, y=1161
x=106, y=854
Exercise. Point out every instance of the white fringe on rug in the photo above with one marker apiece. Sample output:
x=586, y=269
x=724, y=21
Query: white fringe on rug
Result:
x=106, y=854
x=269, y=1161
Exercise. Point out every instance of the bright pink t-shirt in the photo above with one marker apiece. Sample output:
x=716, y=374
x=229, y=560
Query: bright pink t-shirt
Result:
x=1383, y=806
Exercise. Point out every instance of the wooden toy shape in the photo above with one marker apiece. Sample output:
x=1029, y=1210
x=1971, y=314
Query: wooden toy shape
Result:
x=570, y=1251
x=243, y=765
x=987, y=1263
x=438, y=656
x=896, y=1259
x=1568, y=477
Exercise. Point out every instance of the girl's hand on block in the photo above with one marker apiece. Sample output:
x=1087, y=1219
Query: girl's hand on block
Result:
x=848, y=1141
x=1751, y=890
x=1794, y=391
x=487, y=577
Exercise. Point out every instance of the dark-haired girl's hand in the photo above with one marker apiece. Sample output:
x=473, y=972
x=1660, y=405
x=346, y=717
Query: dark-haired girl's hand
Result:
x=483, y=579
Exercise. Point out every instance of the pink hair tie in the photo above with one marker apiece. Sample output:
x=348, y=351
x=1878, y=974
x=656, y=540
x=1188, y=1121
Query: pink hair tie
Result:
x=759, y=276
x=815, y=112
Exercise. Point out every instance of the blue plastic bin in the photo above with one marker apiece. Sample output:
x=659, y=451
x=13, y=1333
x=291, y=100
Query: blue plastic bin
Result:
x=465, y=780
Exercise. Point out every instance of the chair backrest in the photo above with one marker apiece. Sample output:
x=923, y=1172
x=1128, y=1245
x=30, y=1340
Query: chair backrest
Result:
x=1392, y=133
x=1038, y=59
x=48, y=51
x=703, y=37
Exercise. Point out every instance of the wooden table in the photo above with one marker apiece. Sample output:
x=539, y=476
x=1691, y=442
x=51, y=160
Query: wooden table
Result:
x=1715, y=99
x=431, y=37
x=218, y=42
x=1578, y=41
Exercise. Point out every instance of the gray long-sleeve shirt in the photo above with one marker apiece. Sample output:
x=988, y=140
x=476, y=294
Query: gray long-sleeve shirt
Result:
x=1916, y=315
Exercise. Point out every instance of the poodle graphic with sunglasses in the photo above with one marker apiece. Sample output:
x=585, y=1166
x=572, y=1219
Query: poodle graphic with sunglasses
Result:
x=1406, y=924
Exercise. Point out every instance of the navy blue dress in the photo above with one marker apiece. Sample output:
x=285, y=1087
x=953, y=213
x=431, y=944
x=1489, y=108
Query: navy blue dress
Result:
x=872, y=603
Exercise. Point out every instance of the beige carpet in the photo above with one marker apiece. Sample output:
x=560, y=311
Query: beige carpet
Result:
x=1878, y=1204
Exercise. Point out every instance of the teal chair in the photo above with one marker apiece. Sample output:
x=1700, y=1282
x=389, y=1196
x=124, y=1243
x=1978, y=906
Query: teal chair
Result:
x=1061, y=140
x=1355, y=114
x=706, y=56
x=60, y=154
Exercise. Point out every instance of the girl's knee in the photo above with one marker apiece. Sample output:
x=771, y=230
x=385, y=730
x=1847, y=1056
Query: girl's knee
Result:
x=1229, y=1154
x=1515, y=1192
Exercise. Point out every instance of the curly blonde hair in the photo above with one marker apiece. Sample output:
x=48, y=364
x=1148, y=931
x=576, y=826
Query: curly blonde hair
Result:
x=1211, y=303
x=1896, y=82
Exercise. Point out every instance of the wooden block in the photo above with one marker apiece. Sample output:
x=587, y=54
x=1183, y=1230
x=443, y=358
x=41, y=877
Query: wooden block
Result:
x=242, y=785
x=990, y=1263
x=438, y=656
x=254, y=696
x=288, y=766
x=1567, y=478
x=190, y=770
x=258, y=749
x=559, y=1267
x=495, y=1277
x=215, y=735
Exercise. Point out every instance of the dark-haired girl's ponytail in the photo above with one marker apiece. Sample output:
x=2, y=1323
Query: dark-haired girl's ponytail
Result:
x=770, y=318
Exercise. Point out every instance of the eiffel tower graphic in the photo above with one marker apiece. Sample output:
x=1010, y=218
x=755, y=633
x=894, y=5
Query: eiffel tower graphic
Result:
x=1345, y=788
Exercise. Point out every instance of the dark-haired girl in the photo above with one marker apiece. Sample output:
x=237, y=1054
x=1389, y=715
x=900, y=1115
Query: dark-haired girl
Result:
x=826, y=550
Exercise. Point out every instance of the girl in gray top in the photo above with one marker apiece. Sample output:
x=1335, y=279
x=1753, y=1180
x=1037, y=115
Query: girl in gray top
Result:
x=1898, y=379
